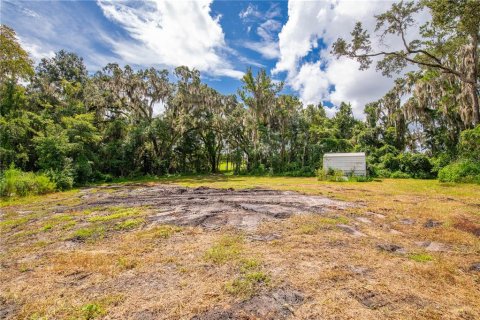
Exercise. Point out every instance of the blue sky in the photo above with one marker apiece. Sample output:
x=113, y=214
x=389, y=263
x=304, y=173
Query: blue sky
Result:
x=291, y=40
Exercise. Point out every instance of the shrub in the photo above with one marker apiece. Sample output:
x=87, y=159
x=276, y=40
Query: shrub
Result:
x=461, y=171
x=63, y=179
x=470, y=144
x=331, y=175
x=400, y=175
x=15, y=182
x=417, y=165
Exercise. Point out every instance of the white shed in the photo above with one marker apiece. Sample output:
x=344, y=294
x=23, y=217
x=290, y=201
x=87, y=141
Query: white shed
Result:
x=347, y=162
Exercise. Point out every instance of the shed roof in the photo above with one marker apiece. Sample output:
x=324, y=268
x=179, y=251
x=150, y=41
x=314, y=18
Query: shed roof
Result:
x=347, y=154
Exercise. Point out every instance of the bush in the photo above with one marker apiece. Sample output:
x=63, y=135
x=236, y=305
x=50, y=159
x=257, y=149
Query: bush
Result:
x=331, y=175
x=15, y=182
x=461, y=171
x=63, y=179
x=470, y=144
x=400, y=175
x=417, y=165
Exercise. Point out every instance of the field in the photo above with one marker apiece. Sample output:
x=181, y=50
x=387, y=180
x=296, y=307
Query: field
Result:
x=227, y=247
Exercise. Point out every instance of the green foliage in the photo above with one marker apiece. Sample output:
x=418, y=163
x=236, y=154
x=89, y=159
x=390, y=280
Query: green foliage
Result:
x=400, y=175
x=75, y=128
x=14, y=182
x=461, y=171
x=470, y=144
x=14, y=60
x=331, y=175
x=92, y=311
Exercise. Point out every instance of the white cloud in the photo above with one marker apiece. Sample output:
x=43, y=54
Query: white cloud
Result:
x=310, y=21
x=250, y=11
x=35, y=51
x=171, y=33
x=267, y=30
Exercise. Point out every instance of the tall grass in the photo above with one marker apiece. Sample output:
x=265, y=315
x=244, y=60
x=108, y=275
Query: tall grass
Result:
x=15, y=182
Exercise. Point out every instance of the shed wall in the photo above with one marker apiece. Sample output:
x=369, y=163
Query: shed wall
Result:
x=347, y=164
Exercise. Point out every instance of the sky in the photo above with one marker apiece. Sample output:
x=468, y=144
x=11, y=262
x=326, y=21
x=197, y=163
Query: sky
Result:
x=290, y=39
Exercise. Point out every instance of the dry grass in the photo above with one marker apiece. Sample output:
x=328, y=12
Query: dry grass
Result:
x=126, y=267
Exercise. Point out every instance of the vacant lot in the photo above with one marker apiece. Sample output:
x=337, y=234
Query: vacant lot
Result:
x=207, y=248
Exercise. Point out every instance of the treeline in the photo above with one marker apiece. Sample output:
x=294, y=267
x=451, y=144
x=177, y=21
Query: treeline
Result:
x=76, y=128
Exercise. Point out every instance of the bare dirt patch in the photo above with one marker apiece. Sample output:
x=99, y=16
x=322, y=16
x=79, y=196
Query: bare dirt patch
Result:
x=213, y=208
x=277, y=304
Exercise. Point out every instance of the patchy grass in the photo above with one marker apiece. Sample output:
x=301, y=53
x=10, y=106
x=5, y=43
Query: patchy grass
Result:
x=90, y=233
x=162, y=231
x=118, y=213
x=420, y=257
x=250, y=280
x=311, y=224
x=129, y=224
x=225, y=250
x=92, y=311
x=171, y=272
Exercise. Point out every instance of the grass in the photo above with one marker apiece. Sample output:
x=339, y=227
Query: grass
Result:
x=227, y=249
x=250, y=280
x=177, y=272
x=119, y=212
x=311, y=224
x=420, y=257
x=129, y=224
x=89, y=233
x=92, y=311
x=162, y=231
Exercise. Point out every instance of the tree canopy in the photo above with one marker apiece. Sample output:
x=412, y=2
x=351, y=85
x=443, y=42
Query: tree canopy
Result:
x=78, y=127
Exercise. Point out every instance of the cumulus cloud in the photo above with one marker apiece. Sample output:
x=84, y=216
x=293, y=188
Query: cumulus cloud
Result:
x=312, y=21
x=170, y=33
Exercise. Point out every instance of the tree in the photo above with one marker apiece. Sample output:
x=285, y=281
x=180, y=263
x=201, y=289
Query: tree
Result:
x=15, y=64
x=449, y=44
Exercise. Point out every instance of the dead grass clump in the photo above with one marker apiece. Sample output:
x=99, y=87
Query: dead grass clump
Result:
x=162, y=232
x=88, y=261
x=311, y=224
x=466, y=225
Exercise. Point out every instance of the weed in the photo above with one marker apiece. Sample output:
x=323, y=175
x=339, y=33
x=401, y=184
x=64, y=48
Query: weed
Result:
x=251, y=277
x=420, y=257
x=47, y=227
x=249, y=264
x=92, y=310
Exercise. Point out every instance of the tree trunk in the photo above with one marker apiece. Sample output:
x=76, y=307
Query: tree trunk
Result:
x=474, y=79
x=476, y=107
